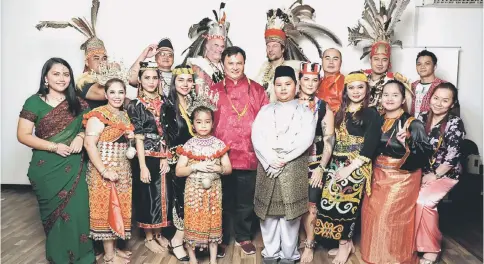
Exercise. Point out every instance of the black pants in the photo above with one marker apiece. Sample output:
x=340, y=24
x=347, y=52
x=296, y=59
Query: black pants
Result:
x=238, y=204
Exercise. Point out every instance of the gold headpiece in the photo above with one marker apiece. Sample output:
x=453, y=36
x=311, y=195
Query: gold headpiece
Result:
x=108, y=71
x=145, y=65
x=356, y=77
x=92, y=45
x=178, y=71
x=205, y=98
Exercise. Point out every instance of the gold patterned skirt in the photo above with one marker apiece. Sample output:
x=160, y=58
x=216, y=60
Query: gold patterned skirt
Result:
x=203, y=211
x=101, y=193
x=388, y=215
x=339, y=207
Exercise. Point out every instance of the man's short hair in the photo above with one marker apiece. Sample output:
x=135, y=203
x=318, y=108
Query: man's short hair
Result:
x=427, y=53
x=231, y=51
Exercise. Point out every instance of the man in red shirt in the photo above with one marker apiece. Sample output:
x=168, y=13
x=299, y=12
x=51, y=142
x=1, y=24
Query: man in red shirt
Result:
x=332, y=85
x=240, y=101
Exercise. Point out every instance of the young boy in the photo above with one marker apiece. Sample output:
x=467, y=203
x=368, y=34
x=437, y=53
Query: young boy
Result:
x=281, y=134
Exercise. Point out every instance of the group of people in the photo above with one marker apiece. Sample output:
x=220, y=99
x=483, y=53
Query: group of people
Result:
x=205, y=149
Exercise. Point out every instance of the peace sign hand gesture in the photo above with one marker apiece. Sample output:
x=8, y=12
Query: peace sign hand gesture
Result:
x=401, y=133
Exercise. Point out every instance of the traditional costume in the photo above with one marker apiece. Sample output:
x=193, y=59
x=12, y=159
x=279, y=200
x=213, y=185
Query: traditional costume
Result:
x=176, y=135
x=388, y=215
x=203, y=190
x=92, y=46
x=377, y=27
x=165, y=76
x=151, y=199
x=282, y=129
x=290, y=28
x=339, y=206
x=446, y=138
x=60, y=182
x=331, y=90
x=110, y=201
x=240, y=101
x=206, y=71
x=421, y=99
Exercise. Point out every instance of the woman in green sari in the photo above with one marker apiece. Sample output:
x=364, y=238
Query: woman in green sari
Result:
x=57, y=170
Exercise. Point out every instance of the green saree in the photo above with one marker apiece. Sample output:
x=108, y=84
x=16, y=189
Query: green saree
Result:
x=60, y=183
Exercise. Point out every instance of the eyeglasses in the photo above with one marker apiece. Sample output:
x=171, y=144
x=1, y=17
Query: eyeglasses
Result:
x=166, y=54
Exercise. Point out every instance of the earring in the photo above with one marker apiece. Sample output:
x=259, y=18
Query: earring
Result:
x=46, y=84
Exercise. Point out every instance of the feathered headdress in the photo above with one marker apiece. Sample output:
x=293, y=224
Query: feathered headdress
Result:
x=377, y=27
x=207, y=29
x=205, y=98
x=93, y=45
x=293, y=26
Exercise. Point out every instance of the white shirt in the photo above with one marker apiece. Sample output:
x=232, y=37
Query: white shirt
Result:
x=420, y=91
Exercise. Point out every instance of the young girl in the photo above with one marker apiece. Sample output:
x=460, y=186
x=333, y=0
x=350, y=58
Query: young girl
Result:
x=203, y=159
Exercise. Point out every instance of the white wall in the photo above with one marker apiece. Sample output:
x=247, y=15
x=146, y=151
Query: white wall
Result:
x=127, y=27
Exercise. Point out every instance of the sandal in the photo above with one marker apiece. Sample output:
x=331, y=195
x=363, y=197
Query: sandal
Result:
x=427, y=261
x=172, y=251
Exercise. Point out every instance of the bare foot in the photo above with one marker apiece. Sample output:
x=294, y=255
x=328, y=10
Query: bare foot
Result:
x=193, y=261
x=162, y=240
x=333, y=252
x=344, y=252
x=153, y=246
x=115, y=259
x=307, y=255
x=124, y=253
x=429, y=258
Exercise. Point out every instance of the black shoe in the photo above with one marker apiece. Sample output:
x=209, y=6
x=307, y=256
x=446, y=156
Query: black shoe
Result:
x=221, y=250
x=172, y=251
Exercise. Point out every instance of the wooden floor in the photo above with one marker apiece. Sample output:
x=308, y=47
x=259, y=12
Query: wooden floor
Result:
x=23, y=240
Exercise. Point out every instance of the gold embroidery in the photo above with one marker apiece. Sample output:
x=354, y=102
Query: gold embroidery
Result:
x=328, y=230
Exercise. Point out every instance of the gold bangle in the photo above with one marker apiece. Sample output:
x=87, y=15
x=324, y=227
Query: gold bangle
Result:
x=53, y=147
x=81, y=135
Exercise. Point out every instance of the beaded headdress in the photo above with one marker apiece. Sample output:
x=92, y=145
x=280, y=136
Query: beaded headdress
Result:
x=93, y=45
x=182, y=70
x=148, y=65
x=293, y=26
x=377, y=27
x=310, y=68
x=206, y=98
x=108, y=71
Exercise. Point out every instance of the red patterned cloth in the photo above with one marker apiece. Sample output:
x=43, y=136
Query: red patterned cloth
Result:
x=235, y=131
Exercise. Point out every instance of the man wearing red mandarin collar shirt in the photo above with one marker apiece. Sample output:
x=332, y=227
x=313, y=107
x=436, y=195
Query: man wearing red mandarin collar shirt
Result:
x=240, y=101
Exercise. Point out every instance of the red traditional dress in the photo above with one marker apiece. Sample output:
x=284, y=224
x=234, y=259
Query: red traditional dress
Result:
x=331, y=90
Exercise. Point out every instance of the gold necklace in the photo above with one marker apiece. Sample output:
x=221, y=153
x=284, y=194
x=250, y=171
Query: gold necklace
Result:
x=244, y=111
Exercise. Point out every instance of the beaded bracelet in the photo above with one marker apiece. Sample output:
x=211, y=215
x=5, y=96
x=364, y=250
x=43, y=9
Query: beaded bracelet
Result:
x=53, y=147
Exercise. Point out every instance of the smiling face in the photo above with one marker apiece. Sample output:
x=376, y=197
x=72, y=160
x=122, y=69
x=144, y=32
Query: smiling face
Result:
x=379, y=63
x=214, y=48
x=425, y=66
x=184, y=84
x=356, y=91
x=285, y=89
x=274, y=51
x=392, y=97
x=115, y=94
x=58, y=77
x=203, y=123
x=164, y=58
x=234, y=66
x=442, y=101
x=309, y=84
x=149, y=80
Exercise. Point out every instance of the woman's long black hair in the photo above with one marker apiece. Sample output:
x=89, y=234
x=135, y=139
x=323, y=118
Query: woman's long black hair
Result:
x=70, y=93
x=357, y=117
x=172, y=102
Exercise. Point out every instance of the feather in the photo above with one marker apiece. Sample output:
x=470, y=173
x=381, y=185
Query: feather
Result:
x=366, y=51
x=391, y=6
x=91, y=28
x=216, y=16
x=355, y=36
x=320, y=30
x=371, y=7
x=371, y=20
x=296, y=2
x=367, y=27
x=294, y=52
x=194, y=48
x=397, y=43
x=313, y=40
x=53, y=24
x=399, y=8
x=82, y=26
x=94, y=12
